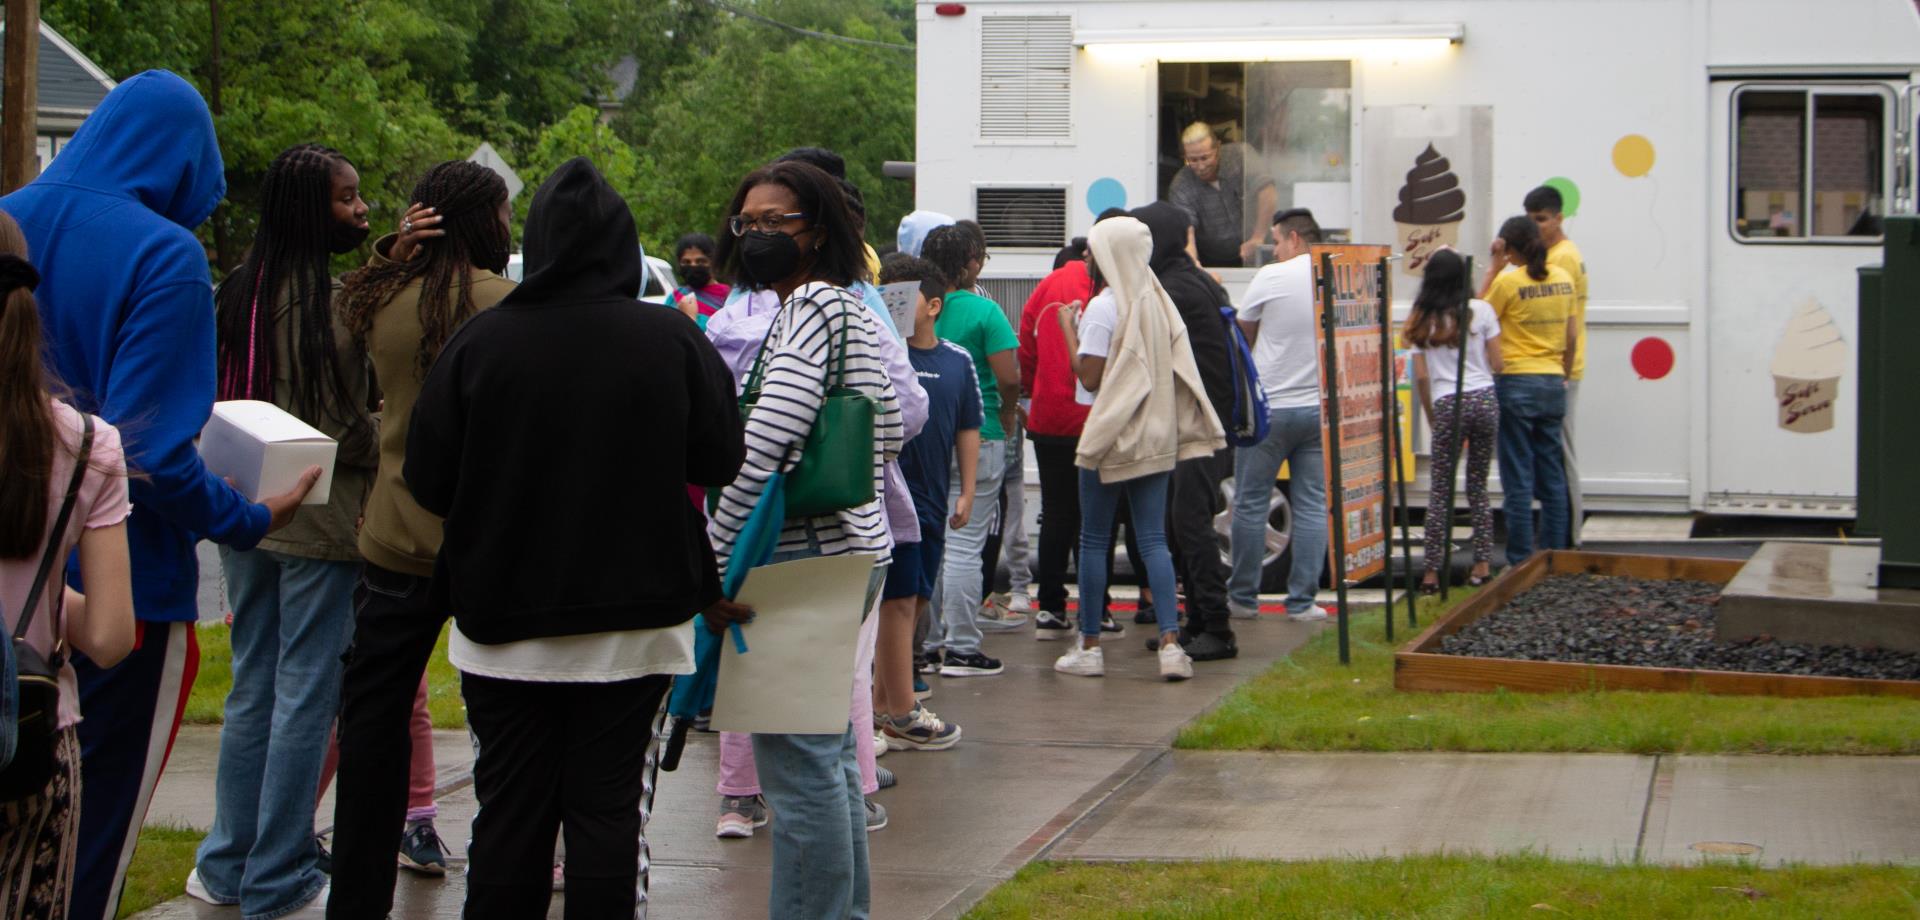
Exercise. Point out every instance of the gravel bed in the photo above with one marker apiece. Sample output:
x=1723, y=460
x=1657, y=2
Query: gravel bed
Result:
x=1611, y=619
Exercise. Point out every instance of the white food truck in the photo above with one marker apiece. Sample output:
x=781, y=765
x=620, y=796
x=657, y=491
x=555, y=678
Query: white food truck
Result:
x=1725, y=164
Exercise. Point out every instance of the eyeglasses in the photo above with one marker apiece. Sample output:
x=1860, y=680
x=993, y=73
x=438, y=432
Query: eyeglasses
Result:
x=739, y=224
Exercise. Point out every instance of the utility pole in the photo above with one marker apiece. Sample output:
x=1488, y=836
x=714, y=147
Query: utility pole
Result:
x=20, y=96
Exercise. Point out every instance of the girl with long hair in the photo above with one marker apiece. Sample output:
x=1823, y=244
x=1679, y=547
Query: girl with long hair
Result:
x=1434, y=332
x=292, y=595
x=414, y=292
x=40, y=445
x=1535, y=303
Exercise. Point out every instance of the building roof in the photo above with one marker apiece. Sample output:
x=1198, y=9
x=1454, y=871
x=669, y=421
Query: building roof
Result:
x=70, y=84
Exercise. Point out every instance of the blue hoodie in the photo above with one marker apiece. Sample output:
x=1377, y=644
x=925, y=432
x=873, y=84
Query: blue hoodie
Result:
x=127, y=306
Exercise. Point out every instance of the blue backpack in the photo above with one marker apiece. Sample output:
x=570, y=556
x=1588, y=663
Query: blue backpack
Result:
x=1250, y=420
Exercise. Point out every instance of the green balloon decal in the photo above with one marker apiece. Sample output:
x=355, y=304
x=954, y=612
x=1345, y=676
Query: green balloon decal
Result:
x=1569, y=194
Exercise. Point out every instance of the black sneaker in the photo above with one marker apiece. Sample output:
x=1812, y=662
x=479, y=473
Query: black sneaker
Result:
x=1112, y=630
x=925, y=663
x=973, y=665
x=322, y=860
x=422, y=850
x=1048, y=625
x=1210, y=647
x=1144, y=615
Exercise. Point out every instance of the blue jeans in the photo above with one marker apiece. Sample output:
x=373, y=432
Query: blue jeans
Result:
x=812, y=784
x=1292, y=439
x=1099, y=503
x=956, y=600
x=1532, y=408
x=292, y=620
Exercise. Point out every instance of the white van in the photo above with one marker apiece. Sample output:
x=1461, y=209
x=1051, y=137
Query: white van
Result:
x=656, y=286
x=1726, y=163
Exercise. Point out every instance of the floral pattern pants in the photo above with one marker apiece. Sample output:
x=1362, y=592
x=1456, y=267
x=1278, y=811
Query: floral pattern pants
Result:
x=1480, y=419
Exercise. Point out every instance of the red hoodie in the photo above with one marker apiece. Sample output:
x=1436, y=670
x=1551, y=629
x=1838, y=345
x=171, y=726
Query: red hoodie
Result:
x=1043, y=352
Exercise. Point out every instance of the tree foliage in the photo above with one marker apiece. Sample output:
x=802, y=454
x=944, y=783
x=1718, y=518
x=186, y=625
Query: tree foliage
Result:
x=398, y=85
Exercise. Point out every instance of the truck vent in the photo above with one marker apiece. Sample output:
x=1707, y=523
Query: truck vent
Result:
x=1026, y=68
x=1026, y=218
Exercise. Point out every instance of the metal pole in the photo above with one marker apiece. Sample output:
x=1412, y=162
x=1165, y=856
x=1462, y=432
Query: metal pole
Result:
x=1391, y=383
x=1336, y=489
x=1387, y=399
x=1461, y=323
x=20, y=96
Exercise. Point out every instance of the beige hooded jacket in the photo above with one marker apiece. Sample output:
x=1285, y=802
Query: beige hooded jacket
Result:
x=1151, y=410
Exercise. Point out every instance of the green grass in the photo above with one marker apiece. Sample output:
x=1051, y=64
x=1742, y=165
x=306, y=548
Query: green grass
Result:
x=1443, y=887
x=159, y=868
x=1309, y=702
x=208, y=702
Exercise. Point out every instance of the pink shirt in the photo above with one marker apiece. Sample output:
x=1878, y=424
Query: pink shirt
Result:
x=102, y=502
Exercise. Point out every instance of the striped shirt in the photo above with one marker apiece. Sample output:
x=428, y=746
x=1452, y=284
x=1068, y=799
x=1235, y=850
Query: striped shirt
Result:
x=802, y=361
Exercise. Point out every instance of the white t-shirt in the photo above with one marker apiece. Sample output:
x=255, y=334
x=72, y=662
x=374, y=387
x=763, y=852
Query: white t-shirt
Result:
x=1096, y=335
x=1442, y=361
x=1280, y=299
x=594, y=658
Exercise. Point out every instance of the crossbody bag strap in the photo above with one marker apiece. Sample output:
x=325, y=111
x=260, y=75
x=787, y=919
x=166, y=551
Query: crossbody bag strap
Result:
x=757, y=373
x=53, y=545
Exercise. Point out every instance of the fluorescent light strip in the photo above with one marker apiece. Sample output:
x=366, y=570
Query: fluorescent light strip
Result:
x=1278, y=44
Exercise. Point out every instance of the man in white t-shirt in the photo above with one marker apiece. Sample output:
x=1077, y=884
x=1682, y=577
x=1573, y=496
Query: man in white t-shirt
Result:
x=1277, y=315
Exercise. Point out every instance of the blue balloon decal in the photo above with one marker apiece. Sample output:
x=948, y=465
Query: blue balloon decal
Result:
x=1104, y=194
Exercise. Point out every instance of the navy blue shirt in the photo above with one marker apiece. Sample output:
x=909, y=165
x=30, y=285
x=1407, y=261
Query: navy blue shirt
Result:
x=953, y=405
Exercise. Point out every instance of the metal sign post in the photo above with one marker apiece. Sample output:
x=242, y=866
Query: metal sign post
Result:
x=1390, y=417
x=1336, y=489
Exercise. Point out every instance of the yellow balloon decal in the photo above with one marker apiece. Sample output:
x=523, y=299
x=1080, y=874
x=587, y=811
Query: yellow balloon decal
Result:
x=1633, y=156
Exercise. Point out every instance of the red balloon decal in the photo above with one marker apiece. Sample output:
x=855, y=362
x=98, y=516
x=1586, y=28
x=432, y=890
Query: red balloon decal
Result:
x=1652, y=358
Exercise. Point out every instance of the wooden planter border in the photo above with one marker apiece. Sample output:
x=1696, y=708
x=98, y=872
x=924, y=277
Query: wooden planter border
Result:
x=1419, y=665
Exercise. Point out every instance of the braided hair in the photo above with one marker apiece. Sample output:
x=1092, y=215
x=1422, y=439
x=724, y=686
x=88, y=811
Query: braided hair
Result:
x=468, y=196
x=289, y=253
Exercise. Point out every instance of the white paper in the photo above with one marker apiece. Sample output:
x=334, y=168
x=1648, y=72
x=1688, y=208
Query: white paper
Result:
x=263, y=449
x=797, y=674
x=902, y=304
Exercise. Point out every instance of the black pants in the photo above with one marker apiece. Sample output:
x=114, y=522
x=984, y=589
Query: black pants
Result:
x=394, y=631
x=557, y=756
x=1192, y=503
x=1060, y=520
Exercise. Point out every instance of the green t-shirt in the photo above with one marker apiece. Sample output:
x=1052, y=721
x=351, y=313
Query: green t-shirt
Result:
x=979, y=326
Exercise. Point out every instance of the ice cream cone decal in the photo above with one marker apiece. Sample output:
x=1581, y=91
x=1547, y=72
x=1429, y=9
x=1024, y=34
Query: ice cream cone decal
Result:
x=1431, y=209
x=1807, y=366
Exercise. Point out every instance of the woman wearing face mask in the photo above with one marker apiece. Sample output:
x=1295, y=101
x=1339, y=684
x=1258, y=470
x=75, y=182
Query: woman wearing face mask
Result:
x=791, y=230
x=405, y=309
x=292, y=595
x=700, y=294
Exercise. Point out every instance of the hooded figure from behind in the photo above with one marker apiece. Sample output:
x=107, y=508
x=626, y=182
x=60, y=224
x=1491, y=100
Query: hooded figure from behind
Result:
x=557, y=433
x=126, y=305
x=1151, y=410
x=1196, y=295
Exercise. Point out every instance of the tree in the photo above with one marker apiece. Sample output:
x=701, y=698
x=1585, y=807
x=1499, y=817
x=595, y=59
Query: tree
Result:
x=758, y=91
x=580, y=134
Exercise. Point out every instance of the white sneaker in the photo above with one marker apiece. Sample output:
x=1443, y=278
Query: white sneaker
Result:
x=197, y=889
x=1313, y=614
x=1020, y=602
x=1084, y=662
x=880, y=747
x=1174, y=663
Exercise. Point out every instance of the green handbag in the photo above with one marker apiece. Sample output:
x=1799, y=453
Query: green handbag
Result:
x=835, y=471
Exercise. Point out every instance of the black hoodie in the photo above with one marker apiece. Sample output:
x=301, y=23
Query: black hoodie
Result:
x=1197, y=296
x=557, y=433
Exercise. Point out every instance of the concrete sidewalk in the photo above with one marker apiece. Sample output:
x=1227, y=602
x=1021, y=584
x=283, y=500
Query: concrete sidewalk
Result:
x=1041, y=751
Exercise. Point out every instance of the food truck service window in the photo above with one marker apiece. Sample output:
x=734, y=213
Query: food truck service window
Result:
x=1238, y=141
x=1809, y=163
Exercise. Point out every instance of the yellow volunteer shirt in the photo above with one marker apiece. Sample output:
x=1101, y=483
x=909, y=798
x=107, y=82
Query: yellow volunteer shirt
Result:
x=1567, y=256
x=1533, y=319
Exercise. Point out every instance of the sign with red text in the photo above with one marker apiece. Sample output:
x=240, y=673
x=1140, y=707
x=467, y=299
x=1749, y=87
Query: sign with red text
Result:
x=1349, y=286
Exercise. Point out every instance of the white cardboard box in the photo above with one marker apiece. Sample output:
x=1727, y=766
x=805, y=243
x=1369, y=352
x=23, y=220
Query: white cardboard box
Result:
x=264, y=450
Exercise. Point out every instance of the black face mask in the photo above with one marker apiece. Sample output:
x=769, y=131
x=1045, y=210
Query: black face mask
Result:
x=696, y=276
x=345, y=238
x=768, y=257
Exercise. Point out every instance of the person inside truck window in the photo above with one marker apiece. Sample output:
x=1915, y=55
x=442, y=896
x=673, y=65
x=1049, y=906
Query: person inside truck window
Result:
x=1215, y=188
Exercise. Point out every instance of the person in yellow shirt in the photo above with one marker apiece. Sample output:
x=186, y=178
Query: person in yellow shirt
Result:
x=1544, y=207
x=1535, y=303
